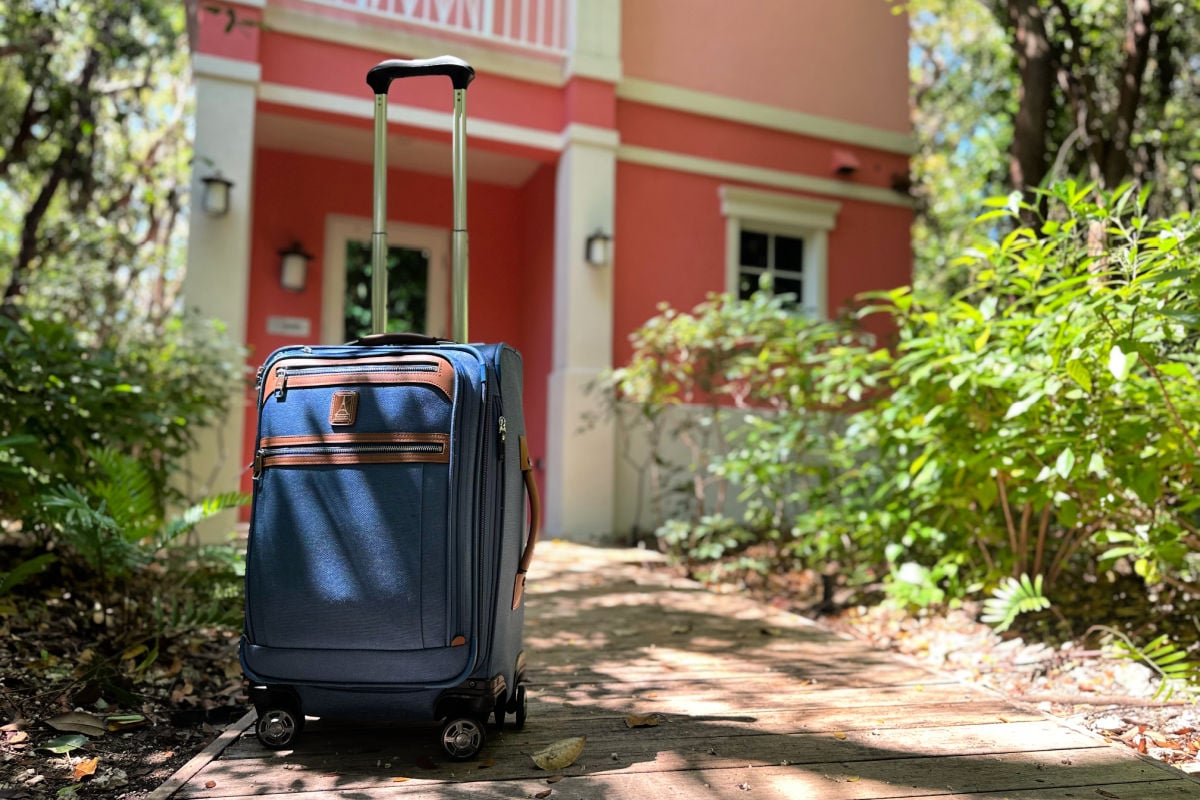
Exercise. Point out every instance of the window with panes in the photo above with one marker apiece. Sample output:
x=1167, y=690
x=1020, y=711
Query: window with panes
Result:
x=776, y=256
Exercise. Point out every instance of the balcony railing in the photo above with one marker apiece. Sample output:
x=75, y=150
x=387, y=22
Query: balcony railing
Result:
x=538, y=25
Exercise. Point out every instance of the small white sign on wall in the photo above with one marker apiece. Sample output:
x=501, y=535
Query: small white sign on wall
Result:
x=289, y=326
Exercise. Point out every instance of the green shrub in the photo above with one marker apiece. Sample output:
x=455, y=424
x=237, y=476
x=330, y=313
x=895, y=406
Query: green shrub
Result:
x=1044, y=421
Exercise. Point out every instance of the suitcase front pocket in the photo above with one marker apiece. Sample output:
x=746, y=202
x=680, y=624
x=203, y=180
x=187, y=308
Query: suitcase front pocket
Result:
x=352, y=543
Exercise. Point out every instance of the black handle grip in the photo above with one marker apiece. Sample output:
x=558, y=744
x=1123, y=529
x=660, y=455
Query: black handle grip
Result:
x=380, y=76
x=373, y=339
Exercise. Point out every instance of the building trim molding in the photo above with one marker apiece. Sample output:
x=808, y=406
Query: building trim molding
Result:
x=361, y=107
x=761, y=115
x=227, y=69
x=745, y=173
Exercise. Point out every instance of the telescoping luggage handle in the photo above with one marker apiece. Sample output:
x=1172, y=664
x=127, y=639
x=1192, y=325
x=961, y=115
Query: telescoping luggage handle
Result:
x=380, y=78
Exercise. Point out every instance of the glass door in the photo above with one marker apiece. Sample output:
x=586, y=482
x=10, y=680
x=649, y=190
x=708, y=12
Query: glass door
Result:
x=418, y=280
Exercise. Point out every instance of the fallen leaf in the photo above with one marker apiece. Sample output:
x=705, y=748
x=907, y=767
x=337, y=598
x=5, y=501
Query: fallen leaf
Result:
x=78, y=722
x=771, y=631
x=554, y=779
x=210, y=784
x=681, y=629
x=65, y=744
x=1103, y=793
x=124, y=722
x=560, y=754
x=641, y=721
x=839, y=735
x=487, y=763
x=853, y=779
x=544, y=794
x=400, y=779
x=86, y=767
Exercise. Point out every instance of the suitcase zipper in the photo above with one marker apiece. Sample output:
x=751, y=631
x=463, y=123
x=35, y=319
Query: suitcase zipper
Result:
x=368, y=449
x=315, y=376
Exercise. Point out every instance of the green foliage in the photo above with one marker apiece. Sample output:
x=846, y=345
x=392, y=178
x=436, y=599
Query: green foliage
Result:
x=115, y=524
x=1013, y=597
x=752, y=390
x=24, y=571
x=1050, y=407
x=93, y=160
x=1176, y=672
x=61, y=400
x=1117, y=100
x=1033, y=432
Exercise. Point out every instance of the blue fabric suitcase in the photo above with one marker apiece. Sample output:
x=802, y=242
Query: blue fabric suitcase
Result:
x=388, y=538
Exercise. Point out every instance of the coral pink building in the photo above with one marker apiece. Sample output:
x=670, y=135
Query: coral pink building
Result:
x=710, y=141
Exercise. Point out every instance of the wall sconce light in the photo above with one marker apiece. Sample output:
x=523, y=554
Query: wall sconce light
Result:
x=215, y=200
x=595, y=252
x=293, y=267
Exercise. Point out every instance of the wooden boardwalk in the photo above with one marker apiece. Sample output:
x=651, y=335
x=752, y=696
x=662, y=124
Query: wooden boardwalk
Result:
x=749, y=703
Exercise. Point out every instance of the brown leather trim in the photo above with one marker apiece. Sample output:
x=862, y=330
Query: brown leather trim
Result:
x=458, y=641
x=351, y=439
x=535, y=522
x=441, y=378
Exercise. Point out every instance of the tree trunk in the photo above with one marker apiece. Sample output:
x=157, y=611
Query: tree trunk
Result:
x=1029, y=160
x=1118, y=164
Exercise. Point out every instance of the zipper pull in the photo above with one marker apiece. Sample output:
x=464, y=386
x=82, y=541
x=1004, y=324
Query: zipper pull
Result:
x=503, y=429
x=258, y=376
x=281, y=385
x=258, y=464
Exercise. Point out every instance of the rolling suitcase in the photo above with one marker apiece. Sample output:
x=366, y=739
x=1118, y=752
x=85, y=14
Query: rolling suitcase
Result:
x=388, y=538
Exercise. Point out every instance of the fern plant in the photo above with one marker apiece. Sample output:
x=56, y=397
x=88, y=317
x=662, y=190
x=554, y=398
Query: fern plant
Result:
x=1177, y=673
x=116, y=524
x=1012, y=598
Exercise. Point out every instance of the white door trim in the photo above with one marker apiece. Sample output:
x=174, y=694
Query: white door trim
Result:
x=341, y=229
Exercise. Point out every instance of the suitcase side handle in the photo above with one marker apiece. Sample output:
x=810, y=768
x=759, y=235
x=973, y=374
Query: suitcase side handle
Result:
x=535, y=523
x=380, y=76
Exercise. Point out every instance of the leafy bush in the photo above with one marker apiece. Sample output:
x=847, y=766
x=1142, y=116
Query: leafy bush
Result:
x=1044, y=421
x=1030, y=439
x=766, y=389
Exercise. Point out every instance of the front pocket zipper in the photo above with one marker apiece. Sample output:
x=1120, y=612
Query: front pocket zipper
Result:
x=309, y=373
x=351, y=448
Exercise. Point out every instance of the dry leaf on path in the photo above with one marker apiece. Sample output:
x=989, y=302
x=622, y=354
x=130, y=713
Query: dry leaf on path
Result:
x=641, y=721
x=560, y=754
x=839, y=735
x=86, y=767
x=554, y=779
x=78, y=722
x=542, y=795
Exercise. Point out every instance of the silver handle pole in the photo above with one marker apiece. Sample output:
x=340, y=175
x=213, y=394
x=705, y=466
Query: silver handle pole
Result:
x=379, y=221
x=458, y=244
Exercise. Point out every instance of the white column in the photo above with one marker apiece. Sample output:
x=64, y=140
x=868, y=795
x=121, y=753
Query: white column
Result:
x=581, y=463
x=218, y=260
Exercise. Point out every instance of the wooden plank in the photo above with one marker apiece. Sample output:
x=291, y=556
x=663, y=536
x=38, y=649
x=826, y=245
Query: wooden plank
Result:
x=323, y=737
x=635, y=751
x=1005, y=775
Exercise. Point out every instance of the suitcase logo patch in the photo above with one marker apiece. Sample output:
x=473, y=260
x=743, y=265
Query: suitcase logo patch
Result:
x=343, y=409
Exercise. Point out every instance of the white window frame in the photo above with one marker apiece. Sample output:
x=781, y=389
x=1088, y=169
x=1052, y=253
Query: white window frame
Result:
x=340, y=230
x=773, y=213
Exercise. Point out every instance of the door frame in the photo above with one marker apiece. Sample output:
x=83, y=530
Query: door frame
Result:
x=342, y=229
